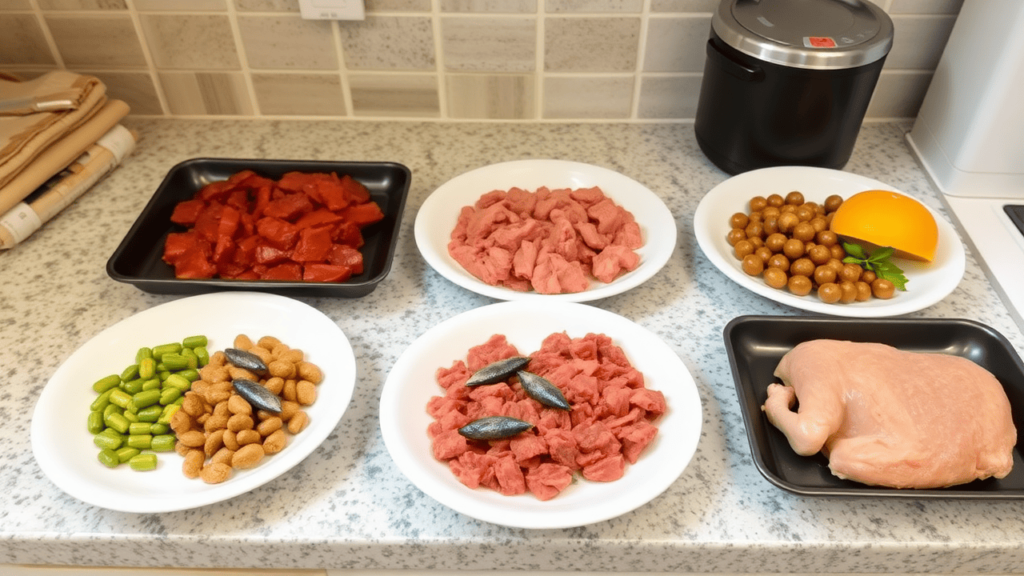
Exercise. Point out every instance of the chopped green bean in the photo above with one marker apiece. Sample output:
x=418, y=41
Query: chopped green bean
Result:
x=130, y=373
x=117, y=422
x=108, y=458
x=143, y=462
x=136, y=428
x=150, y=413
x=163, y=443
x=106, y=383
x=95, y=422
x=106, y=441
x=101, y=401
x=193, y=341
x=147, y=368
x=143, y=354
x=140, y=441
x=126, y=453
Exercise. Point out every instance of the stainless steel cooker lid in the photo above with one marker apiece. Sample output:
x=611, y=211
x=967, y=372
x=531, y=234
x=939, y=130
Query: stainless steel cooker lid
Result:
x=816, y=34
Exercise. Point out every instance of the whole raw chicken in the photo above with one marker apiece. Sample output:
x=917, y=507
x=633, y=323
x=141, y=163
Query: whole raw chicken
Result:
x=887, y=417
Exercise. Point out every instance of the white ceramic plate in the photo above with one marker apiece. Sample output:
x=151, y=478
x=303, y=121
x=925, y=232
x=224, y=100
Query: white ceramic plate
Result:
x=411, y=383
x=437, y=217
x=928, y=282
x=65, y=450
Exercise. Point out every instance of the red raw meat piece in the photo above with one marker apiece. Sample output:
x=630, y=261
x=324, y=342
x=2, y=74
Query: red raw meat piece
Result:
x=289, y=207
x=607, y=469
x=313, y=246
x=178, y=243
x=270, y=255
x=318, y=217
x=194, y=264
x=317, y=272
x=496, y=348
x=450, y=444
x=362, y=215
x=187, y=211
x=509, y=476
x=216, y=191
x=635, y=438
x=547, y=480
x=287, y=271
x=277, y=232
x=473, y=469
x=208, y=223
x=346, y=256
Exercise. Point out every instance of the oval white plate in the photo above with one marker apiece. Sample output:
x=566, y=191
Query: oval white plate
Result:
x=437, y=217
x=411, y=383
x=928, y=282
x=67, y=455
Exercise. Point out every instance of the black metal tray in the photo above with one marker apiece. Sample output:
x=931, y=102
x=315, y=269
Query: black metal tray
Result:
x=138, y=261
x=756, y=344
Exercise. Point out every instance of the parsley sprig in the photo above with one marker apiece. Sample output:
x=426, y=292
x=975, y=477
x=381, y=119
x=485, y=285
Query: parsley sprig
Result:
x=878, y=263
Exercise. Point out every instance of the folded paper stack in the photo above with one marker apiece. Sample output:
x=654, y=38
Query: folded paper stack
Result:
x=59, y=135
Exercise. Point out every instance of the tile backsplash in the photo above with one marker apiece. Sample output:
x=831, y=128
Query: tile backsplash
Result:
x=515, y=60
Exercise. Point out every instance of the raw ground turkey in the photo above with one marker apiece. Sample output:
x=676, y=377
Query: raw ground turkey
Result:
x=609, y=426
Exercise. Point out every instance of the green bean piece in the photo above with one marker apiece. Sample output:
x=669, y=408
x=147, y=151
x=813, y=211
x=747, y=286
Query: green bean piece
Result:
x=108, y=458
x=143, y=462
x=169, y=395
x=111, y=409
x=175, y=362
x=168, y=412
x=136, y=428
x=126, y=453
x=117, y=422
x=179, y=382
x=106, y=383
x=142, y=354
x=106, y=441
x=146, y=398
x=162, y=372
x=95, y=423
x=133, y=386
x=120, y=398
x=140, y=441
x=131, y=407
x=163, y=443
x=130, y=373
x=101, y=401
x=150, y=413
x=202, y=354
x=153, y=384
x=157, y=428
x=163, y=349
x=193, y=341
x=190, y=374
x=131, y=416
x=147, y=368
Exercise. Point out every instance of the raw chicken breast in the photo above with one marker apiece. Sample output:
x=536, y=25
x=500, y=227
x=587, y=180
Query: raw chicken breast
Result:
x=887, y=417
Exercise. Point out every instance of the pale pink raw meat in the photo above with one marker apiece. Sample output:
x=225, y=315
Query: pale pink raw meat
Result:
x=892, y=418
x=551, y=241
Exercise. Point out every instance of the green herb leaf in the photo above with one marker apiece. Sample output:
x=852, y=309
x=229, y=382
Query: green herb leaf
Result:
x=881, y=255
x=855, y=251
x=878, y=263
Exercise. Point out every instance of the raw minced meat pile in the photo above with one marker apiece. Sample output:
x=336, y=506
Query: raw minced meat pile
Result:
x=610, y=424
x=551, y=241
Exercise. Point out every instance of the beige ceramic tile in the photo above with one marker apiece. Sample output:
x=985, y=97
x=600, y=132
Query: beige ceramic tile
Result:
x=267, y=5
x=83, y=4
x=397, y=5
x=181, y=5
x=898, y=94
x=135, y=88
x=23, y=41
x=299, y=94
x=107, y=41
x=669, y=97
x=594, y=6
x=684, y=5
x=591, y=44
x=676, y=44
x=925, y=6
x=490, y=6
x=490, y=97
x=388, y=43
x=190, y=42
x=206, y=93
x=12, y=5
x=489, y=44
x=288, y=42
x=394, y=95
x=587, y=97
x=918, y=41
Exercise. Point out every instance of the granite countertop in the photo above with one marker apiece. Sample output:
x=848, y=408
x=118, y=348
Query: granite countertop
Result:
x=347, y=505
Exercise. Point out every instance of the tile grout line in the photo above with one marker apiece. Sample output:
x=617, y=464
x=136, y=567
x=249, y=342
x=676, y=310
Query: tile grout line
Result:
x=243, y=59
x=343, y=71
x=147, y=55
x=50, y=42
x=437, y=29
x=539, y=73
x=641, y=53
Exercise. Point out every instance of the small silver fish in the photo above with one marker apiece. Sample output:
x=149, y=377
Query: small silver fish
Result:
x=542, y=390
x=246, y=360
x=255, y=394
x=494, y=428
x=498, y=371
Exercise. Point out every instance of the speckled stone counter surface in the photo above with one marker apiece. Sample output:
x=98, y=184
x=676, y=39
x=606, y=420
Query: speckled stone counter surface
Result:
x=347, y=505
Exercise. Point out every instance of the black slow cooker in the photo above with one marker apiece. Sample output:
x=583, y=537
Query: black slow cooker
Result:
x=787, y=82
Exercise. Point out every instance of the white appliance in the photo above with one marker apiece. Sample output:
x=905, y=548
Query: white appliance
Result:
x=969, y=137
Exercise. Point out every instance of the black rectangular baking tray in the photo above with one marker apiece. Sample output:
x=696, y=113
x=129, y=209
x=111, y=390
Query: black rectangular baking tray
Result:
x=755, y=345
x=138, y=259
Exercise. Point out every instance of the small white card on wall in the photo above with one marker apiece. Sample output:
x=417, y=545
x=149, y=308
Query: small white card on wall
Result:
x=332, y=9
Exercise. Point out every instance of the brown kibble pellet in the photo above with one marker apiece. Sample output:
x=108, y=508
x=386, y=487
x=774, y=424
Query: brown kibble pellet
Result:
x=215, y=473
x=275, y=442
x=311, y=372
x=279, y=350
x=263, y=353
x=201, y=420
x=214, y=442
x=192, y=405
x=269, y=426
x=288, y=409
x=268, y=342
x=231, y=440
x=305, y=392
x=242, y=342
x=192, y=438
x=238, y=405
x=288, y=392
x=221, y=409
x=246, y=437
x=199, y=386
x=215, y=422
x=237, y=373
x=298, y=422
x=223, y=456
x=247, y=456
x=293, y=355
x=218, y=358
x=181, y=422
x=274, y=385
x=282, y=369
x=214, y=374
x=218, y=392
x=240, y=422
x=181, y=449
x=193, y=463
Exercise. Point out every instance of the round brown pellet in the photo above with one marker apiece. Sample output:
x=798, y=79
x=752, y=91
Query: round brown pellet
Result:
x=269, y=426
x=192, y=438
x=230, y=439
x=274, y=385
x=268, y=342
x=742, y=249
x=215, y=473
x=247, y=456
x=237, y=405
x=214, y=442
x=242, y=342
x=288, y=392
x=193, y=463
x=181, y=422
x=298, y=422
x=775, y=277
x=215, y=422
x=305, y=392
x=246, y=437
x=192, y=404
x=275, y=442
x=240, y=422
x=223, y=456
